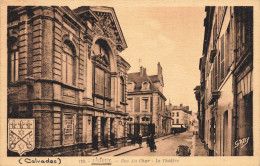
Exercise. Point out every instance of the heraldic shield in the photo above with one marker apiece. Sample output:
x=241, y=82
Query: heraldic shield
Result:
x=21, y=135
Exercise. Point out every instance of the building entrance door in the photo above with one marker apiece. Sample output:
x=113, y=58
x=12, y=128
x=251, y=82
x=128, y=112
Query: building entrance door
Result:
x=94, y=133
x=225, y=133
x=112, y=132
x=103, y=132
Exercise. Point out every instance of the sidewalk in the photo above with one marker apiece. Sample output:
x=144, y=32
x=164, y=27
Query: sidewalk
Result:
x=130, y=148
x=198, y=147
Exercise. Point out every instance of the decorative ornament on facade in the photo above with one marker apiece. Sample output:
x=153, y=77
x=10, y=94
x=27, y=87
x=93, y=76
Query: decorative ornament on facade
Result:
x=21, y=135
x=102, y=58
x=108, y=26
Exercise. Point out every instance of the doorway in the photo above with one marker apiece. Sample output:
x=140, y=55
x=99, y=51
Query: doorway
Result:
x=225, y=134
x=94, y=133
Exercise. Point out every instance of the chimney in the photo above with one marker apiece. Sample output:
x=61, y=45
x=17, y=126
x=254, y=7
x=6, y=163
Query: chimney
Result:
x=159, y=69
x=180, y=105
x=142, y=71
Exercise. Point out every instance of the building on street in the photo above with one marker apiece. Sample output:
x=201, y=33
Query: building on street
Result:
x=65, y=70
x=146, y=104
x=225, y=93
x=181, y=116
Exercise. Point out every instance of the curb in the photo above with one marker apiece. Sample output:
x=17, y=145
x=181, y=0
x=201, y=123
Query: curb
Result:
x=127, y=151
x=104, y=152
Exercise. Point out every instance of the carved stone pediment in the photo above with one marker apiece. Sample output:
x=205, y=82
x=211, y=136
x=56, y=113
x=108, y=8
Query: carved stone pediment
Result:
x=102, y=21
x=108, y=26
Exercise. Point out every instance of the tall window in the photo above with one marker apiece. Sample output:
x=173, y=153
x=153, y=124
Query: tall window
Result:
x=122, y=89
x=215, y=76
x=101, y=73
x=173, y=121
x=222, y=57
x=173, y=114
x=228, y=50
x=68, y=67
x=145, y=104
x=177, y=121
x=215, y=32
x=177, y=114
x=13, y=61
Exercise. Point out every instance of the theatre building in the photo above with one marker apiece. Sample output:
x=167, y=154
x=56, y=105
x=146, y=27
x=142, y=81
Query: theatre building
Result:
x=65, y=70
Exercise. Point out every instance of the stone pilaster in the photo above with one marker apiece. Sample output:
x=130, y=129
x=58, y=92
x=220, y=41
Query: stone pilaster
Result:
x=47, y=47
x=57, y=127
x=23, y=46
x=57, y=58
x=37, y=47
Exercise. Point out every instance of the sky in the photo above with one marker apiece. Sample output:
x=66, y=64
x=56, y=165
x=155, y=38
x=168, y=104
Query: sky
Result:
x=172, y=36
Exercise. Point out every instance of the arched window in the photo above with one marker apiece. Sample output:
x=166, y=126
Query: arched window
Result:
x=68, y=64
x=13, y=60
x=122, y=89
x=101, y=73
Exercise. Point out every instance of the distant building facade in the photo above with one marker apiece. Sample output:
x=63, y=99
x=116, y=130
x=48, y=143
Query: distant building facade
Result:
x=65, y=70
x=146, y=103
x=180, y=115
x=225, y=93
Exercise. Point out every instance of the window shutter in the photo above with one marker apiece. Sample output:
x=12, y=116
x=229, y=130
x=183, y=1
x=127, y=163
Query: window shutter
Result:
x=222, y=57
x=218, y=70
x=215, y=73
x=12, y=66
x=16, y=61
x=97, y=80
x=64, y=68
x=227, y=52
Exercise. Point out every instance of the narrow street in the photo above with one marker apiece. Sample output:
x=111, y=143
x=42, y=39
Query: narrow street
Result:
x=165, y=147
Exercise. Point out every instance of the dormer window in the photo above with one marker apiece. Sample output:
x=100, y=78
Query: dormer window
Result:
x=145, y=86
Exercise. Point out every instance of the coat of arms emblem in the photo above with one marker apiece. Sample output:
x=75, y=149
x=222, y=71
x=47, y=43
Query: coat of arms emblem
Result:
x=21, y=135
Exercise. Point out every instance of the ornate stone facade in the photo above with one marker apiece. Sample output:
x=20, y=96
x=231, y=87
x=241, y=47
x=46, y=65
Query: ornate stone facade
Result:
x=66, y=75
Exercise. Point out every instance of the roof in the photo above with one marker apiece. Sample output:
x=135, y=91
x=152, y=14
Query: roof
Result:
x=178, y=108
x=138, y=80
x=154, y=78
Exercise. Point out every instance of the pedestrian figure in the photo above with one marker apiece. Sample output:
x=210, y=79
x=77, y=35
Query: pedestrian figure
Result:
x=152, y=143
x=148, y=141
x=140, y=140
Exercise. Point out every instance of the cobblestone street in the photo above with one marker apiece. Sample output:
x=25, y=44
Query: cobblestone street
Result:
x=166, y=146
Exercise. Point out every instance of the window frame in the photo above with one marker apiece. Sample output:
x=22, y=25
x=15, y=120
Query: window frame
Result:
x=222, y=58
x=13, y=61
x=101, y=61
x=122, y=89
x=68, y=53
